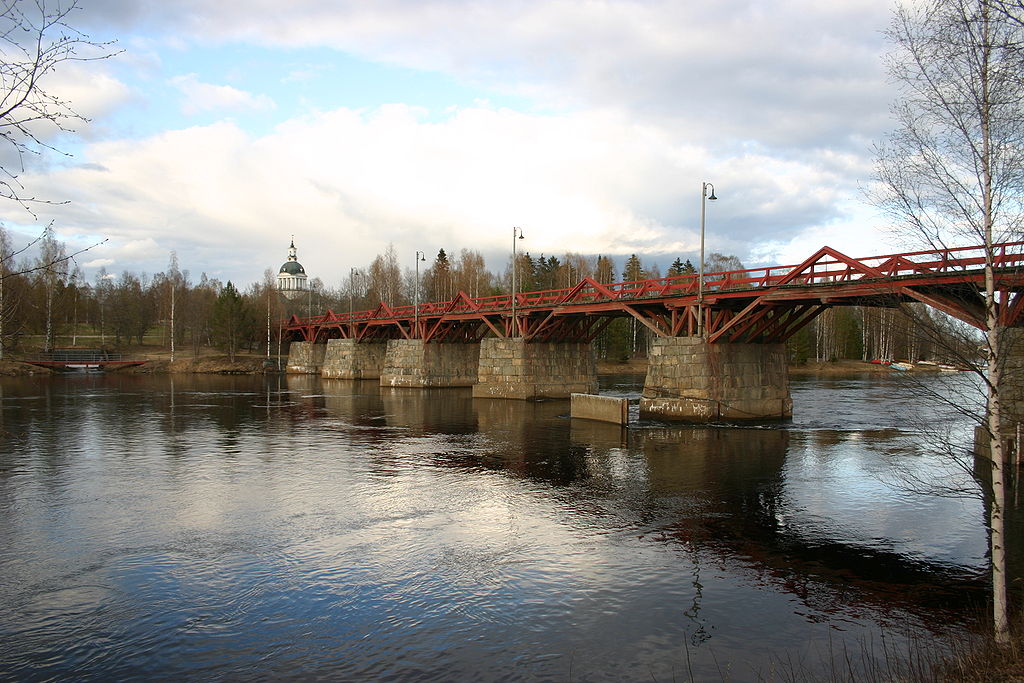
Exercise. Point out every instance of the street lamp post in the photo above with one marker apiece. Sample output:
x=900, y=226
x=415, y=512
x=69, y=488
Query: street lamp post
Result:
x=700, y=282
x=352, y=272
x=517, y=233
x=416, y=294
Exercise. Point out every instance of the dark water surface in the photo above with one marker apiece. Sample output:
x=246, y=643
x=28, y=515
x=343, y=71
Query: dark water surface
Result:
x=249, y=528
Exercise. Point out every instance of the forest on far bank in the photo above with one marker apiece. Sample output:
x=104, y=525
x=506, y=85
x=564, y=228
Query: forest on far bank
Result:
x=46, y=302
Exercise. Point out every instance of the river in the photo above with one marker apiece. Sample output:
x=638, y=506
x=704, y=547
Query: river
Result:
x=198, y=527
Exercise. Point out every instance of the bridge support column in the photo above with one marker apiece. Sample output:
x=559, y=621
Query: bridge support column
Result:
x=1011, y=395
x=1011, y=386
x=412, y=363
x=305, y=358
x=512, y=368
x=349, y=359
x=689, y=379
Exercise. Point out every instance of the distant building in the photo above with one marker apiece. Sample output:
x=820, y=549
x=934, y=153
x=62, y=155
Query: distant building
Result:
x=291, y=279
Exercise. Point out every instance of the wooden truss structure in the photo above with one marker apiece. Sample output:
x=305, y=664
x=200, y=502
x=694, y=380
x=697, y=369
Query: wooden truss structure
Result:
x=759, y=305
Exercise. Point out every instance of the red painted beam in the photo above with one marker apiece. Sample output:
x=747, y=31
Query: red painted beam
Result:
x=736, y=303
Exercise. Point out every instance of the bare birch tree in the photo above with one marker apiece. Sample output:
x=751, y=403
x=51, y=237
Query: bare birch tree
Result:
x=36, y=38
x=952, y=173
x=5, y=251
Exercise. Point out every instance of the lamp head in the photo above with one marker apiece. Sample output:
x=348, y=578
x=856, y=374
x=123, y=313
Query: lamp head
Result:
x=712, y=197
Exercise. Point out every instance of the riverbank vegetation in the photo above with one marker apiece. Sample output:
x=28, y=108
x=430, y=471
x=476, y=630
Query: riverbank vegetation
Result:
x=46, y=307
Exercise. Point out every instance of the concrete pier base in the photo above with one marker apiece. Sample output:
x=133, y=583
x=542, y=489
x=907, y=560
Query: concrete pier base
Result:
x=305, y=358
x=512, y=368
x=412, y=363
x=348, y=359
x=689, y=379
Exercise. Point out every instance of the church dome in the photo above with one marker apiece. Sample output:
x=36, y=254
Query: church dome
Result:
x=291, y=278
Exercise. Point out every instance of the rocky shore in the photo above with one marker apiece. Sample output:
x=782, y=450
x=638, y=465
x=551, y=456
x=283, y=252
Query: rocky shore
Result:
x=212, y=365
x=13, y=368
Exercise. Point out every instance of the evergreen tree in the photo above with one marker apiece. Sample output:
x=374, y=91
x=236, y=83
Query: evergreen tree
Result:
x=633, y=270
x=438, y=280
x=232, y=322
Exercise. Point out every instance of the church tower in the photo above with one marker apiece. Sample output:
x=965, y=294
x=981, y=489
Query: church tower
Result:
x=291, y=279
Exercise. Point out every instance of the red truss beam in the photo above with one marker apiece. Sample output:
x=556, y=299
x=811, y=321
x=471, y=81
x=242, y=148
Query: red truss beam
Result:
x=758, y=305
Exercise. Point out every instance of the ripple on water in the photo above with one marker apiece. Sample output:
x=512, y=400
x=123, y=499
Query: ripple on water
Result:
x=373, y=534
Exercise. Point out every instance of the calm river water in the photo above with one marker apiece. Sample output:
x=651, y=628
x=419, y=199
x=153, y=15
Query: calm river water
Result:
x=251, y=528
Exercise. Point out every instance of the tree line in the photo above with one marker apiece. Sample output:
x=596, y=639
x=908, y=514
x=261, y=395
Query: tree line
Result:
x=46, y=301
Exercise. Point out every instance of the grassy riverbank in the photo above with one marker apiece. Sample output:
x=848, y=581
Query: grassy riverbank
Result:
x=13, y=368
x=158, y=360
x=983, y=663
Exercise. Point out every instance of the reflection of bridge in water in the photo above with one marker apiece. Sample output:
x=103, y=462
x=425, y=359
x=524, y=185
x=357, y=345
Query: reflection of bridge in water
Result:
x=718, y=351
x=718, y=495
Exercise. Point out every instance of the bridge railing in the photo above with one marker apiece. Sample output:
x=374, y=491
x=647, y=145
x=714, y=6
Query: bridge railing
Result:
x=80, y=357
x=826, y=266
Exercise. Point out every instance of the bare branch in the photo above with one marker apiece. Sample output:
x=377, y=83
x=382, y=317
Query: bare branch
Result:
x=36, y=38
x=44, y=264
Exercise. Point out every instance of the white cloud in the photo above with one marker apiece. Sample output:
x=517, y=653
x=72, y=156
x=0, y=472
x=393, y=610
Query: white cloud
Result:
x=93, y=93
x=347, y=183
x=199, y=97
x=632, y=105
x=796, y=73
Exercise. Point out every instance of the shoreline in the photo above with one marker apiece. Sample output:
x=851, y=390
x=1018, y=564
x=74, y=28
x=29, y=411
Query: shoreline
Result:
x=245, y=364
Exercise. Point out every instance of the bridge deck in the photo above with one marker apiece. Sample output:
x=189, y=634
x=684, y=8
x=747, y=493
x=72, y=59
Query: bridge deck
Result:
x=760, y=305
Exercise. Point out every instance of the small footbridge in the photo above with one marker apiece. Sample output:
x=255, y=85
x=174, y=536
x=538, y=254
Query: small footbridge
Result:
x=77, y=359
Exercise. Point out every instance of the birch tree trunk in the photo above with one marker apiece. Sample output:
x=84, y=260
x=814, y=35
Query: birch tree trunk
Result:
x=951, y=175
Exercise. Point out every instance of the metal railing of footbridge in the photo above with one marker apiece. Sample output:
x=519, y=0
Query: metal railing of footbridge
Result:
x=825, y=267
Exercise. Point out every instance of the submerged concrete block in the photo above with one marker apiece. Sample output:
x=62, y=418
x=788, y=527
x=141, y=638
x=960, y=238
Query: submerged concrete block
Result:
x=601, y=408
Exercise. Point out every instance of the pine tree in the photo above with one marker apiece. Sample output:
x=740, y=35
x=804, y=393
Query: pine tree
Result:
x=232, y=322
x=633, y=270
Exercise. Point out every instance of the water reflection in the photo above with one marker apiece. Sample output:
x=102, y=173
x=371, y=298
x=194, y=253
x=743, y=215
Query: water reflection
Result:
x=241, y=527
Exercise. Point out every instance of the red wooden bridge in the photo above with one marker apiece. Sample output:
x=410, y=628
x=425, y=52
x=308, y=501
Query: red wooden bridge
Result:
x=758, y=305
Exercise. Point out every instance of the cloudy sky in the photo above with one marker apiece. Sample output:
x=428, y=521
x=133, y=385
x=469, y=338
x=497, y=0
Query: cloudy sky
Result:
x=223, y=128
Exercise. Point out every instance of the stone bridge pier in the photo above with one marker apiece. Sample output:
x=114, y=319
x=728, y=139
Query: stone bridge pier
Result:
x=349, y=359
x=689, y=379
x=305, y=358
x=415, y=363
x=513, y=368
